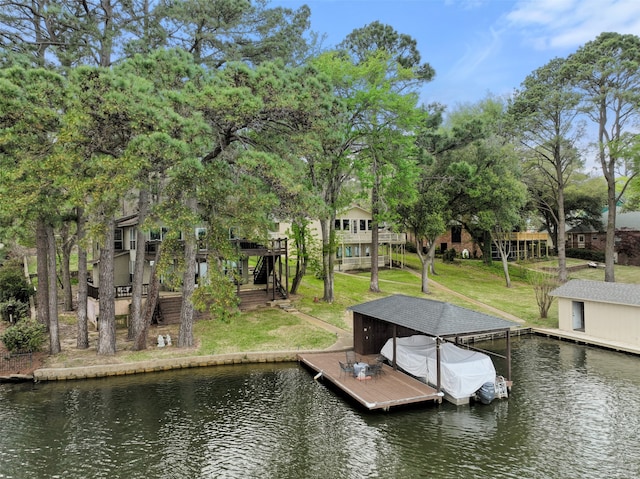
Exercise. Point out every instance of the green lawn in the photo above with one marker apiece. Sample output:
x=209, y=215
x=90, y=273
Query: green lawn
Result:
x=471, y=278
x=275, y=329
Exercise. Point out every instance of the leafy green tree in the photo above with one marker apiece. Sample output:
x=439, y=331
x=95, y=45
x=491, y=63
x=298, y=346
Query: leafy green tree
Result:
x=159, y=149
x=546, y=114
x=487, y=194
x=29, y=127
x=110, y=114
x=221, y=31
x=388, y=119
x=606, y=73
x=427, y=218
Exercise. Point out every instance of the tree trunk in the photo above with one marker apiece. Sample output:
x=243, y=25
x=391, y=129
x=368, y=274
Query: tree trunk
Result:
x=326, y=227
x=374, y=285
x=107, y=314
x=54, y=339
x=609, y=249
x=185, y=336
x=42, y=292
x=67, y=247
x=561, y=245
x=150, y=306
x=300, y=234
x=82, y=339
x=432, y=256
x=486, y=248
x=136, y=318
x=424, y=260
x=504, y=258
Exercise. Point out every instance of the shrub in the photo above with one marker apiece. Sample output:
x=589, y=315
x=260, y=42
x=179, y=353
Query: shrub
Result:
x=26, y=335
x=585, y=254
x=13, y=284
x=449, y=255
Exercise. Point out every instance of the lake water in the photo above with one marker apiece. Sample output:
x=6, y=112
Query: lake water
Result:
x=574, y=412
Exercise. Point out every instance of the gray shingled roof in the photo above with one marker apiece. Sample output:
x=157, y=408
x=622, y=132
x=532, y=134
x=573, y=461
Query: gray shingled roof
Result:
x=599, y=291
x=430, y=317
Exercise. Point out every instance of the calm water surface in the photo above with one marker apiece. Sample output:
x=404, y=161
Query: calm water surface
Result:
x=574, y=412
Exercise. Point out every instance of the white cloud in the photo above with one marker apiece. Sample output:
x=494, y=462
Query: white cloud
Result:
x=483, y=47
x=567, y=24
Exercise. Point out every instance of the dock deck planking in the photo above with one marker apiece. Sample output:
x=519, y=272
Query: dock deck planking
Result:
x=389, y=389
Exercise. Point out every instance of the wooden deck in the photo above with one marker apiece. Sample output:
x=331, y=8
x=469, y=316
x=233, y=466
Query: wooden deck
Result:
x=391, y=388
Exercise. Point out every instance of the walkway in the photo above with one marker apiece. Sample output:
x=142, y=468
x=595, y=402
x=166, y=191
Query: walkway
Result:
x=581, y=338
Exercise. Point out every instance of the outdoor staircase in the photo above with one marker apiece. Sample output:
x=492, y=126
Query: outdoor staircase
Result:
x=263, y=269
x=168, y=309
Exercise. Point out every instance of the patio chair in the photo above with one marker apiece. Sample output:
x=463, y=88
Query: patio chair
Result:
x=351, y=358
x=345, y=369
x=375, y=370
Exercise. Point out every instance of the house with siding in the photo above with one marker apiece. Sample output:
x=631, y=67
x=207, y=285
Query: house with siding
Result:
x=259, y=271
x=604, y=310
x=353, y=229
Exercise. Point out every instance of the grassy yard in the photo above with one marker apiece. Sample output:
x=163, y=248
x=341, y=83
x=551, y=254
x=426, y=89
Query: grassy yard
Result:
x=471, y=278
x=275, y=329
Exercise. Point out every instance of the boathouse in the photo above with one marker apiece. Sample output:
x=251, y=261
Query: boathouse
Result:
x=603, y=310
x=398, y=316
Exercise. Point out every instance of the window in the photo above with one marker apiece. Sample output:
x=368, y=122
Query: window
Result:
x=117, y=242
x=155, y=235
x=347, y=251
x=336, y=225
x=133, y=232
x=201, y=236
x=456, y=234
x=356, y=251
x=345, y=225
x=363, y=225
x=354, y=225
x=339, y=252
x=369, y=223
x=367, y=251
x=132, y=268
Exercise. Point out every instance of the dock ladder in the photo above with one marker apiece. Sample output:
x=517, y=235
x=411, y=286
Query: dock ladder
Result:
x=501, y=388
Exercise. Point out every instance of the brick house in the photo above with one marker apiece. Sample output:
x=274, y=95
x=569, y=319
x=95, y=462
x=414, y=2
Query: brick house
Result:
x=627, y=238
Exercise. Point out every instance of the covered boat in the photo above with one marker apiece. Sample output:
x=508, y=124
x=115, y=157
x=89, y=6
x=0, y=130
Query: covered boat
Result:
x=463, y=372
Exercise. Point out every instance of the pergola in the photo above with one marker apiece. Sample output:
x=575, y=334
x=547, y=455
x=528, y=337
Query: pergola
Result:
x=376, y=321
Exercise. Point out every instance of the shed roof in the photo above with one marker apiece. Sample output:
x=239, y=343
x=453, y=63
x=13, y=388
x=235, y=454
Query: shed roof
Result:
x=599, y=291
x=430, y=317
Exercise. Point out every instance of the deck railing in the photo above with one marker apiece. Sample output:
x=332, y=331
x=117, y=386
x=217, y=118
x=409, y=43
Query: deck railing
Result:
x=121, y=291
x=365, y=237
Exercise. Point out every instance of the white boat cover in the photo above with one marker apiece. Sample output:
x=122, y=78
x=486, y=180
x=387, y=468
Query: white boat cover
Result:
x=463, y=372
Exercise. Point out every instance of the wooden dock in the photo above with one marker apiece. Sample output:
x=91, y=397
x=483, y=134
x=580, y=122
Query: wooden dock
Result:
x=389, y=389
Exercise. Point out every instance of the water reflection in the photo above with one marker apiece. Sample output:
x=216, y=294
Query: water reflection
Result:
x=573, y=413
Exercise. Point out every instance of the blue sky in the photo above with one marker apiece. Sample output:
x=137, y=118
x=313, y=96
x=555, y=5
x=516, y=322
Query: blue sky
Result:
x=478, y=47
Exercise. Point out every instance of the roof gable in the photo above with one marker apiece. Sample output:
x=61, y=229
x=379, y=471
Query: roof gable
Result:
x=354, y=209
x=599, y=291
x=434, y=318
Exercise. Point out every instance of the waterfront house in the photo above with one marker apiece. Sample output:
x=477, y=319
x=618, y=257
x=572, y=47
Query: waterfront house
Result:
x=259, y=271
x=353, y=228
x=626, y=243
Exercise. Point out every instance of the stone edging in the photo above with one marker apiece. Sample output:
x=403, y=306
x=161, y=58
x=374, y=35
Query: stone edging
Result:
x=166, y=364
